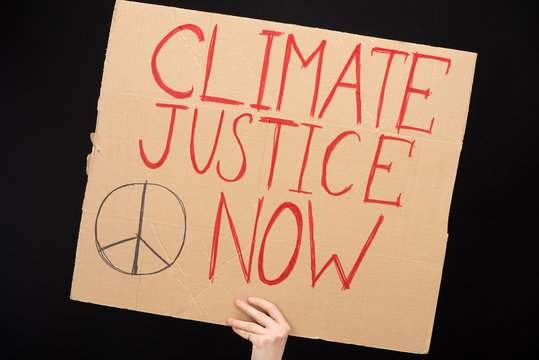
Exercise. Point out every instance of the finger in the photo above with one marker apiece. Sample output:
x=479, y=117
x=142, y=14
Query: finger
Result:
x=244, y=334
x=253, y=338
x=270, y=308
x=246, y=326
x=256, y=314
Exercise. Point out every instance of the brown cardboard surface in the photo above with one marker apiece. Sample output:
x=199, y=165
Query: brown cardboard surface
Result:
x=163, y=233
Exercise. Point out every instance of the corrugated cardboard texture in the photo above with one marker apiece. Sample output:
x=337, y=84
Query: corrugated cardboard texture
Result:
x=234, y=157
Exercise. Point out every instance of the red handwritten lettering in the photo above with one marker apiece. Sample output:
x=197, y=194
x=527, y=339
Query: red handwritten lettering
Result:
x=391, y=53
x=376, y=165
x=216, y=232
x=155, y=72
x=305, y=158
x=291, y=43
x=339, y=83
x=276, y=137
x=345, y=280
x=411, y=90
x=299, y=222
x=329, y=151
x=160, y=162
x=243, y=167
x=264, y=74
x=209, y=63
x=192, y=145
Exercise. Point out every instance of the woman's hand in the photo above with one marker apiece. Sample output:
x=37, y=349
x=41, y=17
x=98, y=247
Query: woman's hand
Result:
x=269, y=331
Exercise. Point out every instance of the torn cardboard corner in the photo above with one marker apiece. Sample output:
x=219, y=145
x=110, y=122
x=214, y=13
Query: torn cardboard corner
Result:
x=240, y=157
x=96, y=149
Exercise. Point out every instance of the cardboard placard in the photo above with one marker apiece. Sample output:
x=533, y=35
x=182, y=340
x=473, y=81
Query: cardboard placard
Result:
x=236, y=157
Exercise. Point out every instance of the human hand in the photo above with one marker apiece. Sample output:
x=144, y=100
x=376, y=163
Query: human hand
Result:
x=268, y=334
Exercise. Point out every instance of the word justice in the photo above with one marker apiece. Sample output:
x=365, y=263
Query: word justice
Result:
x=318, y=53
x=278, y=126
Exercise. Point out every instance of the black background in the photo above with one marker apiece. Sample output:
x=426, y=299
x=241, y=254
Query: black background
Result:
x=53, y=55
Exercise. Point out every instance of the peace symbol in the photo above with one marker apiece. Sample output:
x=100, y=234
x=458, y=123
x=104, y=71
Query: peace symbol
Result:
x=140, y=253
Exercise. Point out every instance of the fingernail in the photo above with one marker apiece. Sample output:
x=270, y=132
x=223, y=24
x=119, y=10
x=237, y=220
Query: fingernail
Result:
x=239, y=302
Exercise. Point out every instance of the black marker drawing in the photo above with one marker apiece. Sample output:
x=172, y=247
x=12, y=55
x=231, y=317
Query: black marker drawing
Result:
x=135, y=268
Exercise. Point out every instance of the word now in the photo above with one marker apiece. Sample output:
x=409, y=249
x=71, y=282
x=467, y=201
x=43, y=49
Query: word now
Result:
x=318, y=53
x=296, y=212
